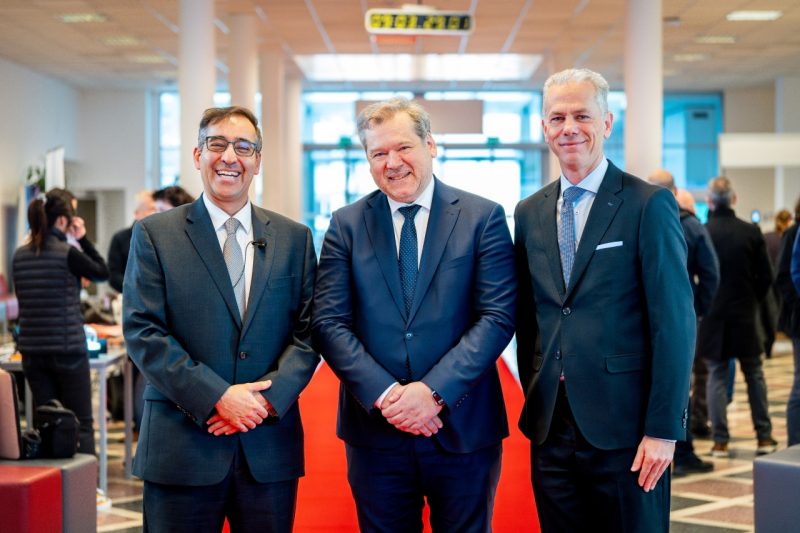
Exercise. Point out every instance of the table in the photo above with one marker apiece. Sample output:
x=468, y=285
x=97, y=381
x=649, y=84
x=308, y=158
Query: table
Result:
x=116, y=356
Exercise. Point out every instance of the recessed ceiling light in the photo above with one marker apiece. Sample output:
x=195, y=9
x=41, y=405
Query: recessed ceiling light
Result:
x=147, y=59
x=78, y=18
x=761, y=15
x=121, y=41
x=688, y=58
x=716, y=39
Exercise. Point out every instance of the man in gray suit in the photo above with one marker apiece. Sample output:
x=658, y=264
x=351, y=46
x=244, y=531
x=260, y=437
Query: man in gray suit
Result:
x=606, y=328
x=217, y=310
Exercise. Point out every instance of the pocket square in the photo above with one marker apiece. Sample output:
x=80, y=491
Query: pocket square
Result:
x=612, y=244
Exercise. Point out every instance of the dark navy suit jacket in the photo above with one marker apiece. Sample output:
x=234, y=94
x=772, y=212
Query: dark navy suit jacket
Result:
x=461, y=319
x=623, y=332
x=183, y=330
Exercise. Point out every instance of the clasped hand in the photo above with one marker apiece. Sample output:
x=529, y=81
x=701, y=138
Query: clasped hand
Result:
x=411, y=408
x=240, y=409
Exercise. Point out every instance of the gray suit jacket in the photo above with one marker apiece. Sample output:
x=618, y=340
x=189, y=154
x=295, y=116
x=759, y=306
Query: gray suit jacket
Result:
x=183, y=331
x=623, y=331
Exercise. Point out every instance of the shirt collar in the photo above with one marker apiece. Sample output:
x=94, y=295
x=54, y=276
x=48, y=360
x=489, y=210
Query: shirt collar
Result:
x=591, y=182
x=218, y=216
x=423, y=200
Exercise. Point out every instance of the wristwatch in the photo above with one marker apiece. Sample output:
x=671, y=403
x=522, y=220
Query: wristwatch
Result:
x=437, y=398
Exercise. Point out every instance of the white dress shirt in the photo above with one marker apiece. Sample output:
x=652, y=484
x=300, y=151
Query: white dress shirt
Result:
x=244, y=236
x=420, y=220
x=591, y=184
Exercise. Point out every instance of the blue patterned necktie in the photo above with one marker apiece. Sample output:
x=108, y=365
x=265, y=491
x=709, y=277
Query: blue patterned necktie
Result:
x=232, y=253
x=409, y=258
x=566, y=234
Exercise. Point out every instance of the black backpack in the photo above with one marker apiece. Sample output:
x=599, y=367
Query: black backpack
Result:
x=58, y=427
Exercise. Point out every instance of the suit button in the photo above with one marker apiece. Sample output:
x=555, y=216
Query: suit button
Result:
x=409, y=336
x=242, y=355
x=558, y=354
x=566, y=311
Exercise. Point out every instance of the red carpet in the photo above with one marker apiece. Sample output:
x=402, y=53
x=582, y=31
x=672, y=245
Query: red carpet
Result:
x=324, y=500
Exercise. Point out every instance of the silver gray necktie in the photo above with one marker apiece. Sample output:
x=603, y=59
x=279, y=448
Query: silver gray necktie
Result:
x=232, y=253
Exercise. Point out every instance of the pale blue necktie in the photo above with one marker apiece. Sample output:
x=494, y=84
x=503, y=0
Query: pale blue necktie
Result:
x=566, y=234
x=409, y=258
x=232, y=253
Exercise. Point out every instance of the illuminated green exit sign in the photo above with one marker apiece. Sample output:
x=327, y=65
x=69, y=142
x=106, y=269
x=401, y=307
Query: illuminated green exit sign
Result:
x=421, y=22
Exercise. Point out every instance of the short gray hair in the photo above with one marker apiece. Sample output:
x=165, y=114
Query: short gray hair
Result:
x=213, y=115
x=579, y=75
x=720, y=192
x=379, y=112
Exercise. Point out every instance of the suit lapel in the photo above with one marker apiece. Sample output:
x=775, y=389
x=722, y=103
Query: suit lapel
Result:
x=263, y=259
x=604, y=208
x=378, y=222
x=547, y=218
x=205, y=241
x=443, y=216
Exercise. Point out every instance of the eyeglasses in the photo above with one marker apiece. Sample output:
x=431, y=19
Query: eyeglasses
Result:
x=241, y=147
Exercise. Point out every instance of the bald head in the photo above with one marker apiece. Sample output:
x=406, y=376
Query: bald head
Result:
x=685, y=200
x=662, y=177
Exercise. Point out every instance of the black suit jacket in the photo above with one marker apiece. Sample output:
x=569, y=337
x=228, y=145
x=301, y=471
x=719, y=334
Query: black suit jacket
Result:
x=623, y=332
x=729, y=328
x=183, y=330
x=461, y=319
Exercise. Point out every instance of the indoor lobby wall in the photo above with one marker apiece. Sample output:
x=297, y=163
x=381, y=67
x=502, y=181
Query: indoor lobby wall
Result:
x=751, y=110
x=38, y=114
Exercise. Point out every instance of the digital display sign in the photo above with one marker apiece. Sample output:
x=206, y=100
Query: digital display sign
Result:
x=406, y=22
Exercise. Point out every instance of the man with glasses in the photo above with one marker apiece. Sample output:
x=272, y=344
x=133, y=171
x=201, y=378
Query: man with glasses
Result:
x=217, y=309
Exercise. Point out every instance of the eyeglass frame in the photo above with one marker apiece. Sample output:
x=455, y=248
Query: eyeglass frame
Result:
x=256, y=148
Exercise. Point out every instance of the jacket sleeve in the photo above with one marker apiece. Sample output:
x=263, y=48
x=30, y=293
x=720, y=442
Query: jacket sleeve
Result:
x=707, y=271
x=332, y=322
x=671, y=318
x=193, y=386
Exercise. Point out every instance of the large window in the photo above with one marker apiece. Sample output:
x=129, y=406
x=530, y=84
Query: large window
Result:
x=505, y=163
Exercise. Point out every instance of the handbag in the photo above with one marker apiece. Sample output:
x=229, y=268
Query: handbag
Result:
x=58, y=427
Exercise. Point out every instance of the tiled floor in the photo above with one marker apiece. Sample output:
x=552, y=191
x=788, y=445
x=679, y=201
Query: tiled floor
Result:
x=717, y=502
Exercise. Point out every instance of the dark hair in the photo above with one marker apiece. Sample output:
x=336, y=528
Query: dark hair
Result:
x=174, y=195
x=213, y=115
x=42, y=214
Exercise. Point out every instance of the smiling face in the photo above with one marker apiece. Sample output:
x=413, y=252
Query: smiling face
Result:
x=400, y=162
x=575, y=128
x=226, y=175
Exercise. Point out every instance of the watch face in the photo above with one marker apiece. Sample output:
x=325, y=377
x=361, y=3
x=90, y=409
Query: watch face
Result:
x=437, y=398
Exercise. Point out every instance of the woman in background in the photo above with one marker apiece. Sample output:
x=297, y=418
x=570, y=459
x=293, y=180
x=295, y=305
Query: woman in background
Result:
x=47, y=280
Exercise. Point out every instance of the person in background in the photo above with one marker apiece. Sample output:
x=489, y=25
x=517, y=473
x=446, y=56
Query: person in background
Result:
x=217, y=315
x=788, y=281
x=729, y=329
x=769, y=309
x=170, y=197
x=47, y=274
x=606, y=326
x=117, y=262
x=415, y=301
x=783, y=219
x=703, y=269
x=121, y=241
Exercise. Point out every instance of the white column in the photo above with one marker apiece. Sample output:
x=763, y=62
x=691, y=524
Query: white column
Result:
x=196, y=78
x=643, y=86
x=243, y=61
x=273, y=104
x=787, y=120
x=293, y=179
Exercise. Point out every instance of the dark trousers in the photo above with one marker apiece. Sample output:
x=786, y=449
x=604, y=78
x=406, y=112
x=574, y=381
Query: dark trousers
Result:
x=248, y=505
x=64, y=377
x=390, y=487
x=581, y=488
